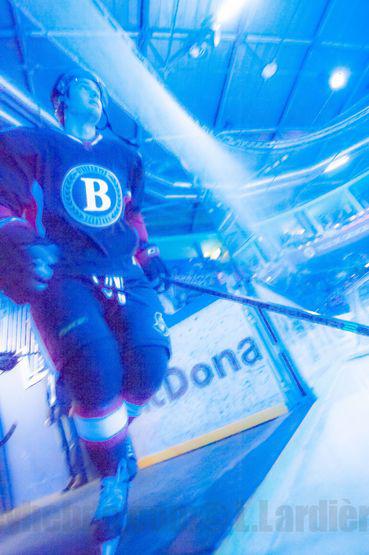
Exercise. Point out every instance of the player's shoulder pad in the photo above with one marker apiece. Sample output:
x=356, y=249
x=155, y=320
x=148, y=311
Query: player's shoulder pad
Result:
x=134, y=151
x=17, y=132
x=130, y=144
x=19, y=139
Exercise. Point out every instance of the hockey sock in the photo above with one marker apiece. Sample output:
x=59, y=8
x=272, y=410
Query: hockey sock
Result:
x=103, y=432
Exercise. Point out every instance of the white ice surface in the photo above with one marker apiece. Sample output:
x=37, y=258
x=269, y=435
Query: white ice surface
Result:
x=325, y=465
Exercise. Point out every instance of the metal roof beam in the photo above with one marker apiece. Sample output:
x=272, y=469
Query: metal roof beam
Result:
x=20, y=42
x=222, y=102
x=171, y=35
x=324, y=16
x=183, y=34
x=162, y=34
x=144, y=34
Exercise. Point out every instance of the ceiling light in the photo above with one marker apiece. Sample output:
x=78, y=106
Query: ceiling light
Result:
x=183, y=184
x=211, y=249
x=269, y=70
x=212, y=253
x=195, y=51
x=198, y=50
x=216, y=253
x=339, y=78
x=217, y=37
x=229, y=10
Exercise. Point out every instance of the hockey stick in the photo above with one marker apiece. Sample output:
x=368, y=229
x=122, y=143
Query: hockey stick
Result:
x=300, y=313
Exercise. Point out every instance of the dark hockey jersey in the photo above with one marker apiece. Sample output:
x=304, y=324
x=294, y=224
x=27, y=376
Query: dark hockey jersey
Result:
x=84, y=189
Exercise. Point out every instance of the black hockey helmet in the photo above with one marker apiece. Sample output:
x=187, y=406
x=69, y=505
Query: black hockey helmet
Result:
x=61, y=88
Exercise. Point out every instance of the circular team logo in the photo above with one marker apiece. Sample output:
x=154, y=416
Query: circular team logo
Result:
x=160, y=325
x=92, y=195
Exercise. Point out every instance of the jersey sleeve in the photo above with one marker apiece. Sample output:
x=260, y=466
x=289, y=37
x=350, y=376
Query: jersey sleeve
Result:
x=17, y=169
x=133, y=207
x=135, y=220
x=136, y=182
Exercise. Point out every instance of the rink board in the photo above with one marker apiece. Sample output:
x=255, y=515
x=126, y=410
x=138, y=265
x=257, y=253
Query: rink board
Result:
x=215, y=435
x=221, y=381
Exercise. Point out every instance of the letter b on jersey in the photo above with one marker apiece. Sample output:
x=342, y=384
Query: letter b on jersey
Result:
x=96, y=195
x=92, y=196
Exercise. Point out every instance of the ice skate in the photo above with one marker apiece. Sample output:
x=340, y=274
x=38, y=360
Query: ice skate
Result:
x=111, y=514
x=132, y=465
x=109, y=547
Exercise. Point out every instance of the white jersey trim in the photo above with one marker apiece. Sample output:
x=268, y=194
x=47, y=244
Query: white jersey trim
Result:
x=96, y=140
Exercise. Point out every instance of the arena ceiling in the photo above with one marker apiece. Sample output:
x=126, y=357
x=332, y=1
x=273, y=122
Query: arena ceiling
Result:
x=259, y=80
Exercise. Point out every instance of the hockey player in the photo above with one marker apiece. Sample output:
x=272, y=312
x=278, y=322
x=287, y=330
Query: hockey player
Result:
x=70, y=255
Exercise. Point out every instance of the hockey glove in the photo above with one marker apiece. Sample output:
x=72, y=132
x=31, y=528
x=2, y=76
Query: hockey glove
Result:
x=148, y=257
x=26, y=261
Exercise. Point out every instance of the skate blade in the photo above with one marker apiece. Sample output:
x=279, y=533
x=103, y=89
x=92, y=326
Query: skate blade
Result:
x=110, y=547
